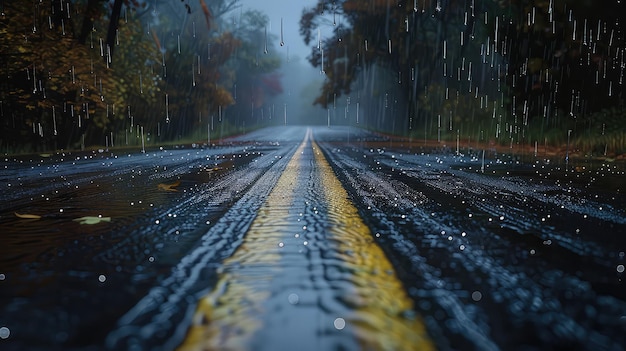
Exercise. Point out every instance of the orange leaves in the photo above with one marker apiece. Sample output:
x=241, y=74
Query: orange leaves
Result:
x=207, y=14
x=224, y=46
x=223, y=97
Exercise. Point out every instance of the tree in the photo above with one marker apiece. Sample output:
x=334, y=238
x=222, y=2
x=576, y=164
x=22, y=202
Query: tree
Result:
x=449, y=65
x=254, y=65
x=195, y=46
x=55, y=87
x=60, y=92
x=391, y=51
x=562, y=55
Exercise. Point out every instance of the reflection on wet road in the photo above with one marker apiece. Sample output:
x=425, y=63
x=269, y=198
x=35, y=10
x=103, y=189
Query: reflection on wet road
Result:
x=307, y=276
x=296, y=238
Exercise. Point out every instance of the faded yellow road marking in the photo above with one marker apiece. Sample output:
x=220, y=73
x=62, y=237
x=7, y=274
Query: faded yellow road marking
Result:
x=229, y=316
x=379, y=299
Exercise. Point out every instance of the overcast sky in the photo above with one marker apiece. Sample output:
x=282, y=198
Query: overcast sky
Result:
x=298, y=94
x=290, y=11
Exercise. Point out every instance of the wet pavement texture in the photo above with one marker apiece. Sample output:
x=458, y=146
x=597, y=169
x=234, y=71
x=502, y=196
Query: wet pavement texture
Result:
x=311, y=238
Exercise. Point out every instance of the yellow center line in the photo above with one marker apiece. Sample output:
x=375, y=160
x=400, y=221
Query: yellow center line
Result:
x=376, y=301
x=379, y=299
x=227, y=317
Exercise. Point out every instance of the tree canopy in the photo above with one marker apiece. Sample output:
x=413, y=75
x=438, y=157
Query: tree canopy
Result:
x=95, y=72
x=493, y=66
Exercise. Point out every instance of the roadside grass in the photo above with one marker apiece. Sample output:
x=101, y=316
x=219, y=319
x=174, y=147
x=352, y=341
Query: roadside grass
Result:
x=136, y=142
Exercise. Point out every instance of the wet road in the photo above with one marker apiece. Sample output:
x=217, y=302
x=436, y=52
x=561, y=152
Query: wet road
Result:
x=311, y=238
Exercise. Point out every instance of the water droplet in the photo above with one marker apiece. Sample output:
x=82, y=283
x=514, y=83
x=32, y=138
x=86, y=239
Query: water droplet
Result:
x=477, y=296
x=293, y=299
x=339, y=323
x=4, y=332
x=102, y=278
x=620, y=268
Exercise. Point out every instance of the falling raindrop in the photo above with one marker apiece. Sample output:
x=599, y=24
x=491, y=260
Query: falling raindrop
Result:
x=143, y=142
x=482, y=164
x=319, y=39
x=265, y=42
x=193, y=76
x=54, y=121
x=282, y=41
x=167, y=109
x=130, y=117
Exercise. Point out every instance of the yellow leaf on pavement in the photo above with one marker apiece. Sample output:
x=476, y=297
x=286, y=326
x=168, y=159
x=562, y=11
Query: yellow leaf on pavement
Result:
x=169, y=187
x=27, y=216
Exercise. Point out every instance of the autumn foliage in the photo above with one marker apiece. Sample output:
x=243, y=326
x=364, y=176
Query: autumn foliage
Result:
x=99, y=73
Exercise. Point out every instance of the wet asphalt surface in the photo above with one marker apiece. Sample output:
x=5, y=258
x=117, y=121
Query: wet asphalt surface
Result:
x=208, y=243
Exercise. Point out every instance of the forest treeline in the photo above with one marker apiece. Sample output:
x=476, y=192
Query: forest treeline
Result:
x=500, y=71
x=100, y=72
x=108, y=73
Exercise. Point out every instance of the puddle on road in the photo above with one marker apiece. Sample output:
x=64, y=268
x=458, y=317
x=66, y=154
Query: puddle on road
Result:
x=77, y=278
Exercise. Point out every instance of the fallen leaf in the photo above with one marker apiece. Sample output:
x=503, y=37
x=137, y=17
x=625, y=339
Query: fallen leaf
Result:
x=169, y=187
x=92, y=220
x=27, y=216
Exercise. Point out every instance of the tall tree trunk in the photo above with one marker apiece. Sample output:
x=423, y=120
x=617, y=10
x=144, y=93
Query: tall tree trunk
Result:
x=115, y=17
x=92, y=11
